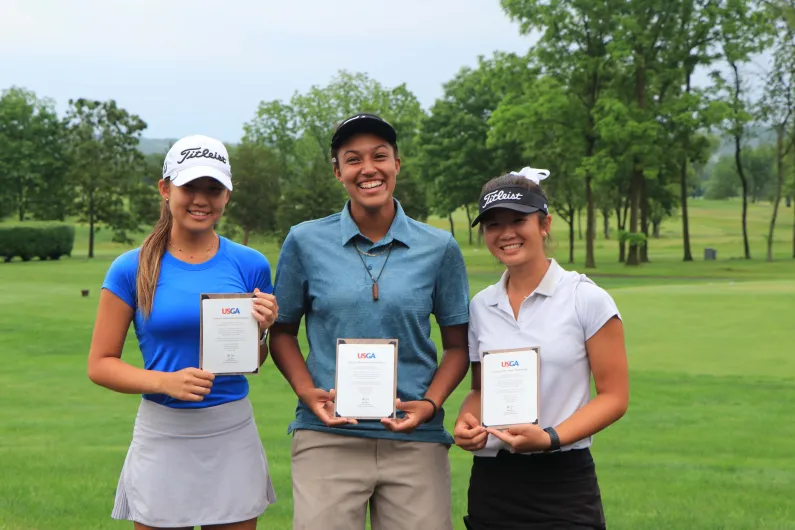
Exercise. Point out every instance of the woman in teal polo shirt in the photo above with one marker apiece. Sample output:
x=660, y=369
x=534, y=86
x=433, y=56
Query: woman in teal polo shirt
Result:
x=370, y=271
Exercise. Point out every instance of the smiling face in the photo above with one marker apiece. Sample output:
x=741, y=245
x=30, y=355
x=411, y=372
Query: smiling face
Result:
x=516, y=238
x=197, y=205
x=367, y=166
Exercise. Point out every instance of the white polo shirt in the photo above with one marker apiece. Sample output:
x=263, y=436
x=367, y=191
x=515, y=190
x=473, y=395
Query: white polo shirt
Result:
x=564, y=311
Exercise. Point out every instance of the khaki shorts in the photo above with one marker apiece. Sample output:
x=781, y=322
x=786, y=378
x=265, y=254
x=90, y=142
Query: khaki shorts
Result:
x=406, y=484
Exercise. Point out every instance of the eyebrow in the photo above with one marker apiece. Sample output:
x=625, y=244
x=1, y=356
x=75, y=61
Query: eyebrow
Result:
x=357, y=152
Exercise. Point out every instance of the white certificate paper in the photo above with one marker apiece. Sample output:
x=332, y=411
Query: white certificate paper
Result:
x=366, y=376
x=509, y=387
x=229, y=335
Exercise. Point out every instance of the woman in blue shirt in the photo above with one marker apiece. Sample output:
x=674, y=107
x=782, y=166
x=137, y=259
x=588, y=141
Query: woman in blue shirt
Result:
x=196, y=458
x=371, y=272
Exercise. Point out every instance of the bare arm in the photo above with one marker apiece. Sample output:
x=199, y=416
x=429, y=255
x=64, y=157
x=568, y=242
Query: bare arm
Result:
x=608, y=357
x=287, y=357
x=469, y=434
x=451, y=371
x=454, y=365
x=105, y=367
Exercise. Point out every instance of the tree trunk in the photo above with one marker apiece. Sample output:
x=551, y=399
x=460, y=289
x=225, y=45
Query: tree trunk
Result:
x=606, y=219
x=452, y=225
x=738, y=133
x=644, y=222
x=590, y=225
x=469, y=223
x=779, y=185
x=636, y=186
x=571, y=236
x=683, y=184
x=633, y=257
x=21, y=198
x=579, y=224
x=90, y=224
x=621, y=222
x=246, y=234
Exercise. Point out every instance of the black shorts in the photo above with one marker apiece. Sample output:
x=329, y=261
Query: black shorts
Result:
x=543, y=491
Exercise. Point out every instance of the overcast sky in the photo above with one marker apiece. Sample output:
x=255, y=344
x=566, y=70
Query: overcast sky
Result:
x=190, y=67
x=197, y=67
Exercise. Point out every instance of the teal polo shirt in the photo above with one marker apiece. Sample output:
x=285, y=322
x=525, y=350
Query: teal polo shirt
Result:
x=320, y=276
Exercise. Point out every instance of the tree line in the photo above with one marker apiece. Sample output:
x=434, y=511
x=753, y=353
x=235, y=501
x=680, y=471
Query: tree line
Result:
x=605, y=100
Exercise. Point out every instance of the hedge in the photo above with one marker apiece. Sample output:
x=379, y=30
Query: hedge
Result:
x=41, y=241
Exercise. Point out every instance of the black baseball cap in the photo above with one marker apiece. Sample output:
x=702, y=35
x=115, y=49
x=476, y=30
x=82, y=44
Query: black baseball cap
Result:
x=360, y=123
x=514, y=198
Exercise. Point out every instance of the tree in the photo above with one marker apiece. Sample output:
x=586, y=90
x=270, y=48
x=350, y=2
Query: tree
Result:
x=32, y=161
x=327, y=196
x=645, y=79
x=690, y=48
x=102, y=146
x=142, y=194
x=454, y=156
x=257, y=193
x=778, y=106
x=537, y=117
x=575, y=49
x=743, y=32
x=300, y=133
x=723, y=183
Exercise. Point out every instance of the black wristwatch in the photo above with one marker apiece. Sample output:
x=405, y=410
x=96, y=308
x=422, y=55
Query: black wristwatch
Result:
x=553, y=439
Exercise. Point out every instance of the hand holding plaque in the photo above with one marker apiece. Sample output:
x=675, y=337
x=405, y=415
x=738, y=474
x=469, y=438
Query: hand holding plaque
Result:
x=229, y=341
x=366, y=378
x=510, y=387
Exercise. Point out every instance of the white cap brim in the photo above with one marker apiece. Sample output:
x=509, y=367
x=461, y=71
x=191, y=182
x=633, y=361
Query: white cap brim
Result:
x=180, y=178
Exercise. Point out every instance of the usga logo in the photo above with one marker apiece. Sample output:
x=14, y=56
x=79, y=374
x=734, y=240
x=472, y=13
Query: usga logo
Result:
x=230, y=310
x=506, y=364
x=366, y=355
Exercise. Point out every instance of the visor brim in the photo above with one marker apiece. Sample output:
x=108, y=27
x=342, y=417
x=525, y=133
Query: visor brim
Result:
x=521, y=208
x=180, y=178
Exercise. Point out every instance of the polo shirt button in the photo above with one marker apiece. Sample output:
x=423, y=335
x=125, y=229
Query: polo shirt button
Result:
x=369, y=267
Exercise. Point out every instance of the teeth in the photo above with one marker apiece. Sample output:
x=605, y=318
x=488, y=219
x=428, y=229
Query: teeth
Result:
x=199, y=213
x=512, y=247
x=370, y=185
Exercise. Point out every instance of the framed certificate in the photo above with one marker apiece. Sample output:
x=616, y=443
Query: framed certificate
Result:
x=229, y=343
x=509, y=387
x=366, y=378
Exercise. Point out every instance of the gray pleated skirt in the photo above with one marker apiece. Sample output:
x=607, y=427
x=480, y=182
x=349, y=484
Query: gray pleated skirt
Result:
x=192, y=467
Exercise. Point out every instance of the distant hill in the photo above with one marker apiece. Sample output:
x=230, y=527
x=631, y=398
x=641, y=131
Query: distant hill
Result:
x=754, y=137
x=157, y=146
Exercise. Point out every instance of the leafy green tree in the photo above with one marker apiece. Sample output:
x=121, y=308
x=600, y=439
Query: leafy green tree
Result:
x=454, y=157
x=102, y=140
x=32, y=160
x=575, y=50
x=257, y=194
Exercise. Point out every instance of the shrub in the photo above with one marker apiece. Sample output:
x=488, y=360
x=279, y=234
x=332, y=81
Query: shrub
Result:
x=41, y=241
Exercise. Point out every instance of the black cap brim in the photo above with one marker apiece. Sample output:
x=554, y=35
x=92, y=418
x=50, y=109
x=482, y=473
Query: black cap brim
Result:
x=521, y=208
x=363, y=123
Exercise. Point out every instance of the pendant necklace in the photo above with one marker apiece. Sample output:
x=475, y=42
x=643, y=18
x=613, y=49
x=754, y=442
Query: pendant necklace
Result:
x=361, y=255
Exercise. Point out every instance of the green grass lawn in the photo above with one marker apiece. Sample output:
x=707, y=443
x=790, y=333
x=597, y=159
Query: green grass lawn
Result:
x=706, y=444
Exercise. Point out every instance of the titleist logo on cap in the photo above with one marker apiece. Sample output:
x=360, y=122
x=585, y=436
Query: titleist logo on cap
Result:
x=198, y=152
x=500, y=195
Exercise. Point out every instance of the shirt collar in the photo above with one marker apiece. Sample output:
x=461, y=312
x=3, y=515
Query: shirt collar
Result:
x=398, y=231
x=547, y=286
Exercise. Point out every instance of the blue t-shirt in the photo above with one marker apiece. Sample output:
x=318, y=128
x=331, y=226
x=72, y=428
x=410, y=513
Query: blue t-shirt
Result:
x=169, y=338
x=320, y=276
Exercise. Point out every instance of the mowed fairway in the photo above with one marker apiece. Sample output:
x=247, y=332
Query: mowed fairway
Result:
x=707, y=442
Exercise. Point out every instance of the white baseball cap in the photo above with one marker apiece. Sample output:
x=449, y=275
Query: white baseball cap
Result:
x=195, y=157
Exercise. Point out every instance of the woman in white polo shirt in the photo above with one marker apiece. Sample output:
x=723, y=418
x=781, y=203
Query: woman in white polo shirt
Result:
x=540, y=476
